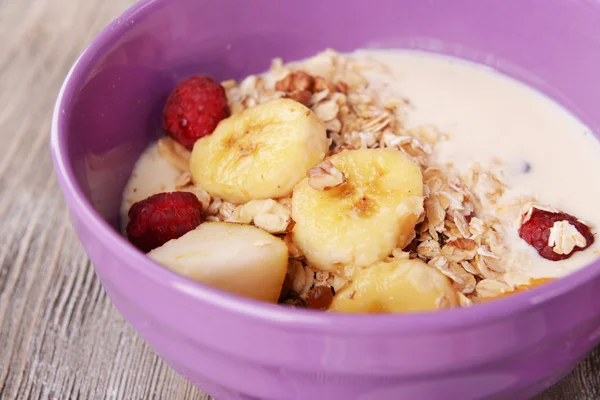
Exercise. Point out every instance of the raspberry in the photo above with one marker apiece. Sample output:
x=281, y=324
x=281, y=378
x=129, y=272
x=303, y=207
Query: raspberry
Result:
x=194, y=109
x=536, y=232
x=162, y=217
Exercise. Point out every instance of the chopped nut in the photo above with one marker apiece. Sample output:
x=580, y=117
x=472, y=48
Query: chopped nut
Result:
x=325, y=176
x=298, y=80
x=322, y=84
x=301, y=96
x=285, y=84
x=267, y=214
x=174, y=153
x=245, y=213
x=342, y=87
x=564, y=237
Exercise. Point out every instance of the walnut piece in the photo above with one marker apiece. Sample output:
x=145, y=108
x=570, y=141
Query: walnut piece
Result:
x=323, y=84
x=342, y=87
x=301, y=96
x=325, y=176
x=298, y=80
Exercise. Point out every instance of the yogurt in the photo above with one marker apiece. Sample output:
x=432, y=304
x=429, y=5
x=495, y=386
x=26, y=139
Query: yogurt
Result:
x=545, y=150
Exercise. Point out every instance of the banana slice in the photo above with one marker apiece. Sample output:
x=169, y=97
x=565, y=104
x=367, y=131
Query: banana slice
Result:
x=260, y=153
x=240, y=259
x=396, y=286
x=363, y=219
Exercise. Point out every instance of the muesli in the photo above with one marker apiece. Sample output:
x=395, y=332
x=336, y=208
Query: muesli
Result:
x=319, y=157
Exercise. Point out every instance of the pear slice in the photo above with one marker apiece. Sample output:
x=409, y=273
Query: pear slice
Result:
x=239, y=259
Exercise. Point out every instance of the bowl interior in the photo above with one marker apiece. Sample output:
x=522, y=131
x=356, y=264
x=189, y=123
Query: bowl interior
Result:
x=114, y=97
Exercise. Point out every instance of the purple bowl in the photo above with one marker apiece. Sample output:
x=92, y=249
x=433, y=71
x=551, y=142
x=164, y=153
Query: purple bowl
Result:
x=109, y=110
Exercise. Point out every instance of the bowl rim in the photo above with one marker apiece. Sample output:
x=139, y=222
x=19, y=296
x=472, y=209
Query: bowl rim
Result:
x=270, y=314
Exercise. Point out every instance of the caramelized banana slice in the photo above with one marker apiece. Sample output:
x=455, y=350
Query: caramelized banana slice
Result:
x=367, y=213
x=260, y=153
x=396, y=286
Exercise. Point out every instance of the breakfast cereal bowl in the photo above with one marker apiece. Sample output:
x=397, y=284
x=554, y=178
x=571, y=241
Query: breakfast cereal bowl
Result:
x=109, y=111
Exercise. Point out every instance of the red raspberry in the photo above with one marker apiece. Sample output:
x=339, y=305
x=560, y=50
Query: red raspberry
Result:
x=194, y=109
x=162, y=217
x=536, y=232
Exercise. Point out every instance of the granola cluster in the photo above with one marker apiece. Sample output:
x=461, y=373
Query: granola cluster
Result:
x=458, y=232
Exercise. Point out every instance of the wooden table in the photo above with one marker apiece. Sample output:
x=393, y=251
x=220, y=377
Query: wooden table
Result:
x=60, y=337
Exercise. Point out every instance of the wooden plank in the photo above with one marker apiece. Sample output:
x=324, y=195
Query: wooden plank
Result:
x=61, y=337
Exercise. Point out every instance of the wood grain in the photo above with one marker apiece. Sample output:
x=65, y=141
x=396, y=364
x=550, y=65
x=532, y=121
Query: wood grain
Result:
x=60, y=337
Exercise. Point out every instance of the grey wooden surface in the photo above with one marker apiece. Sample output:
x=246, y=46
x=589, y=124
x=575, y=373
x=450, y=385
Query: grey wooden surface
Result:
x=60, y=337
